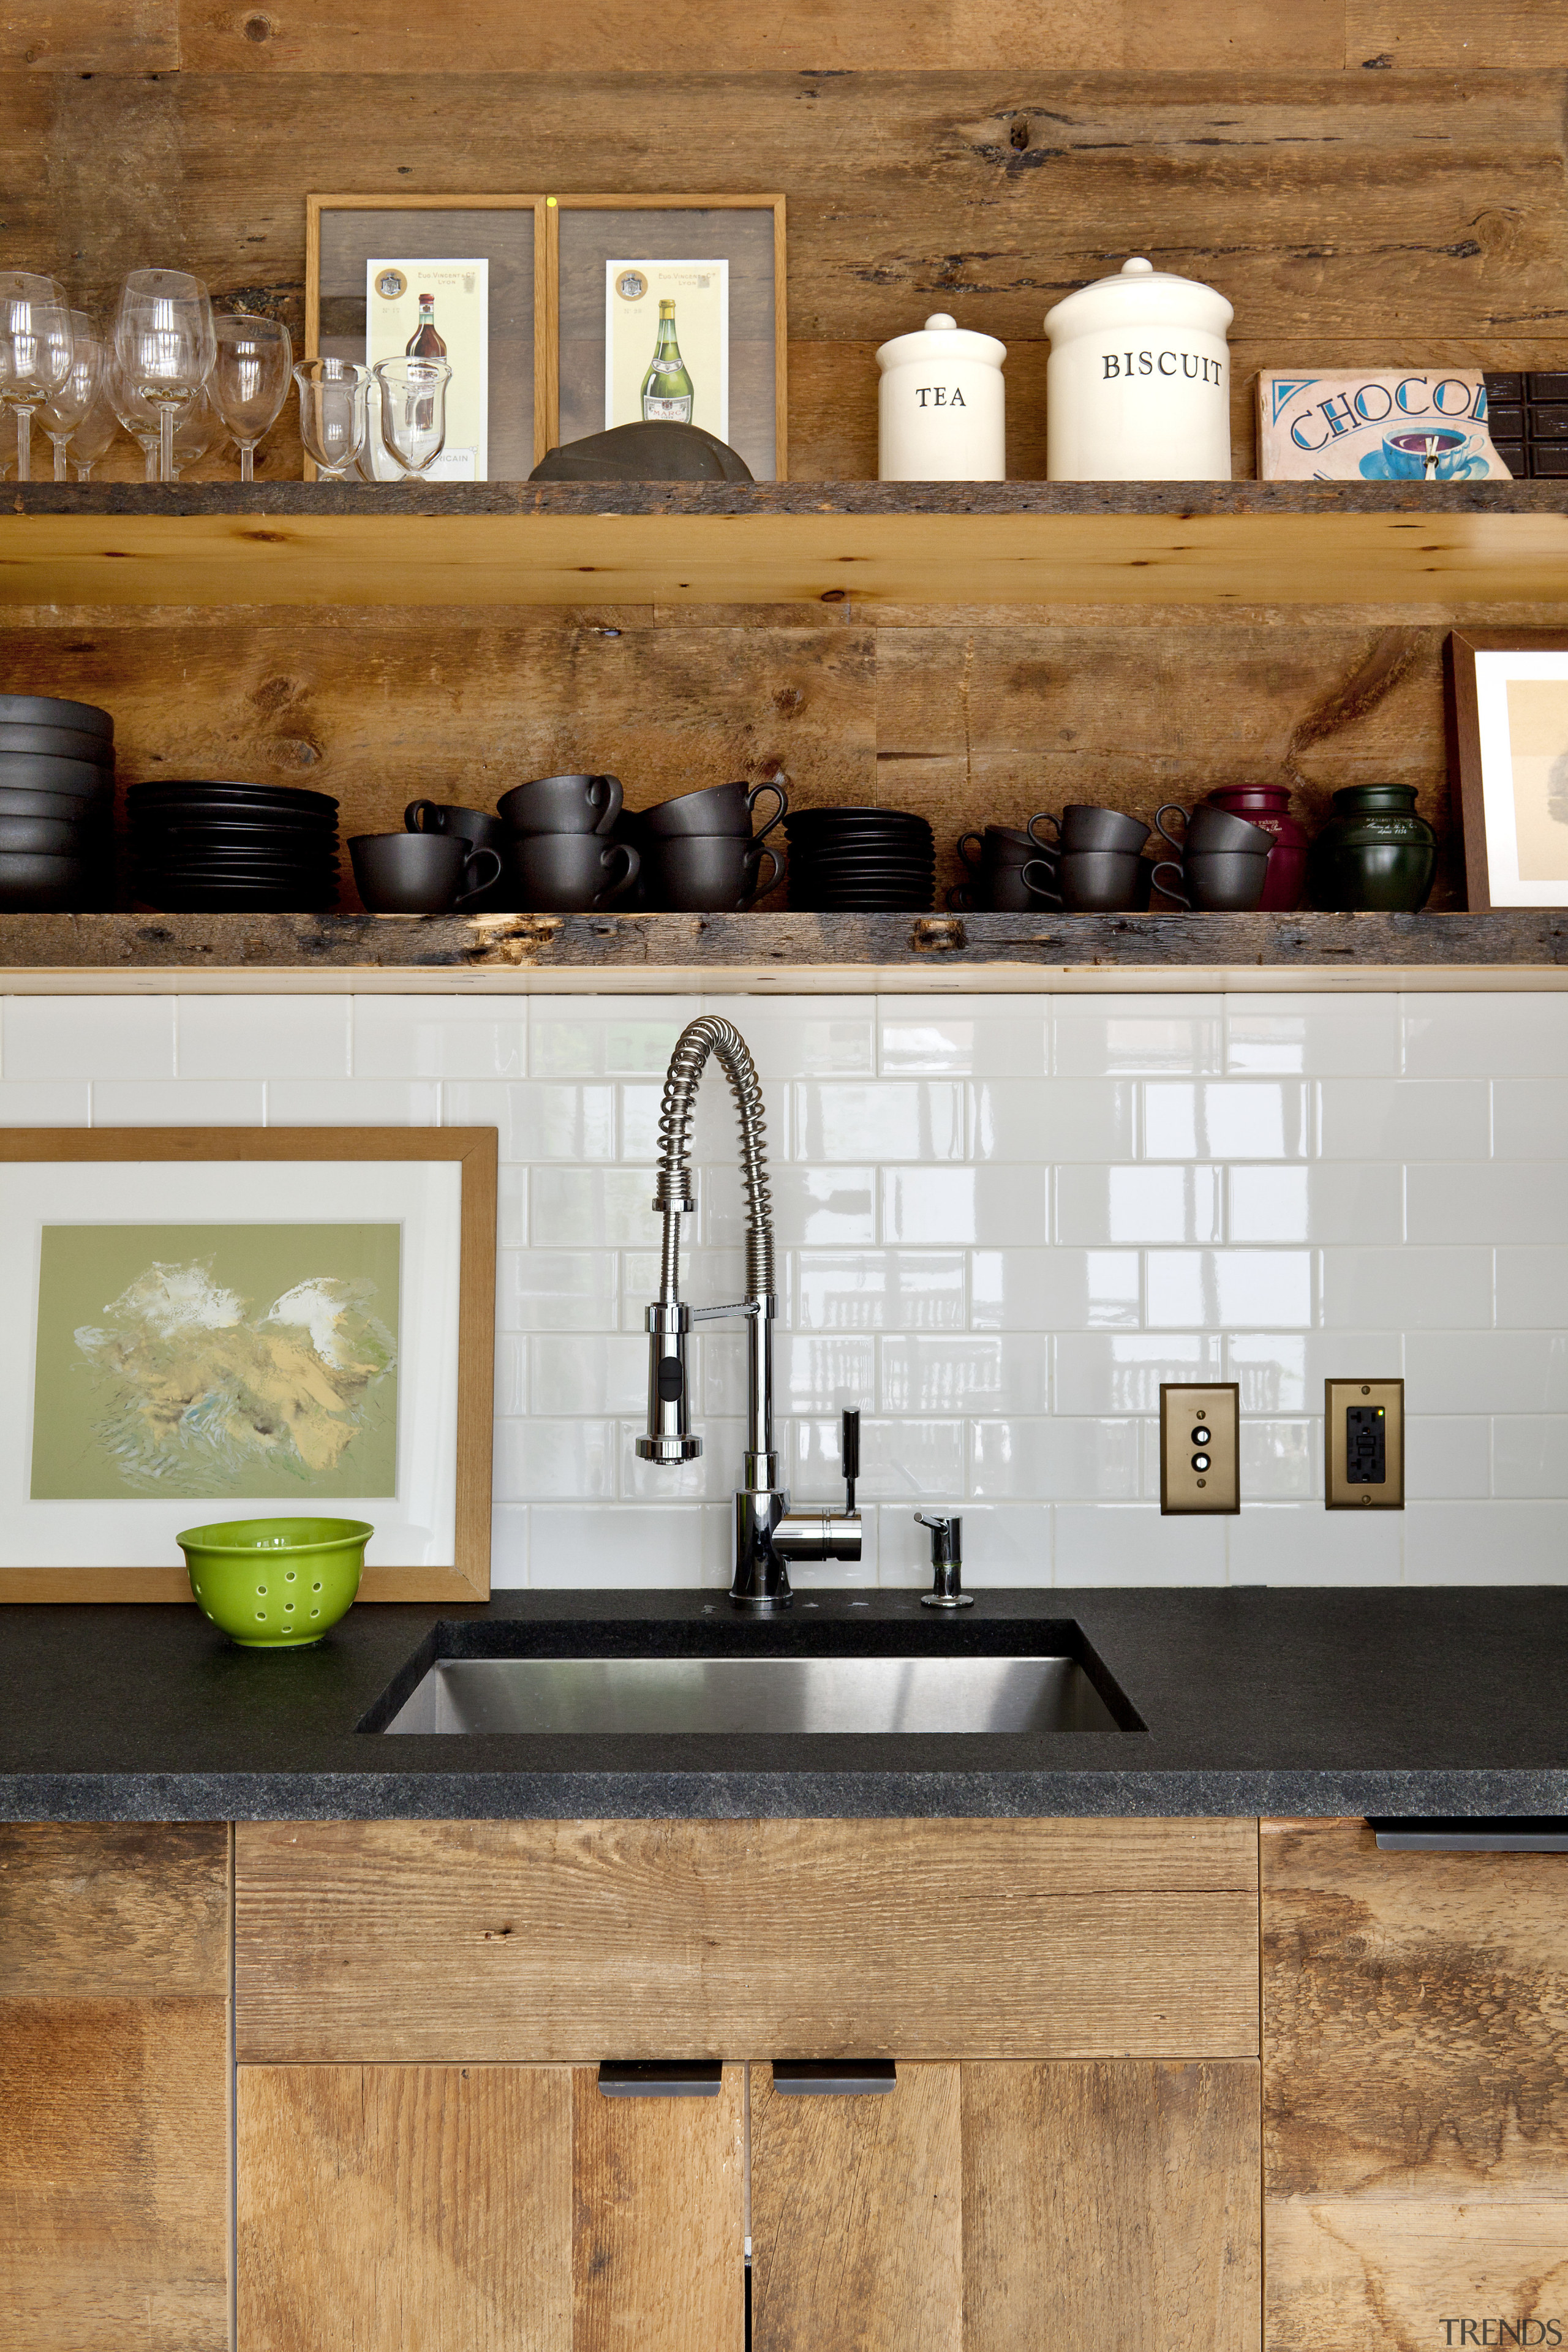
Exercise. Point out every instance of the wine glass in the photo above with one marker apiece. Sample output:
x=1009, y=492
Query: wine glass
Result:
x=199, y=428
x=35, y=352
x=68, y=404
x=139, y=419
x=98, y=429
x=331, y=414
x=413, y=410
x=165, y=344
x=250, y=379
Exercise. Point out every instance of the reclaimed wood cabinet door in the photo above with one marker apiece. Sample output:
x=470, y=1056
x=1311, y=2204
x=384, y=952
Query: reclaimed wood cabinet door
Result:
x=1415, y=2098
x=999, y=2205
x=486, y=2209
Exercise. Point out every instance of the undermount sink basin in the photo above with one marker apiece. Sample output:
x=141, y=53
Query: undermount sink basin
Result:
x=839, y=1676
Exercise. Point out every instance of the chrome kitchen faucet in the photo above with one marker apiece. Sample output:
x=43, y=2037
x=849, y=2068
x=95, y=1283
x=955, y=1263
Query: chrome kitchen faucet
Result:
x=768, y=1534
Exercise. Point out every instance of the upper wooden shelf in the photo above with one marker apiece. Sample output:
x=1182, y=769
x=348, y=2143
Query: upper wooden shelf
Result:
x=958, y=543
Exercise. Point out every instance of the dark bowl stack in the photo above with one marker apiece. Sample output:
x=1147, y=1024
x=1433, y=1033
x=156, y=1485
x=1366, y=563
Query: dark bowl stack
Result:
x=56, y=802
x=866, y=860
x=214, y=846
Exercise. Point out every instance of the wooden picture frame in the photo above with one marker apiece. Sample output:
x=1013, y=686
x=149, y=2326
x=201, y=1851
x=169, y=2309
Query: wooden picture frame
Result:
x=1482, y=796
x=318, y=206
x=774, y=205
x=460, y=1361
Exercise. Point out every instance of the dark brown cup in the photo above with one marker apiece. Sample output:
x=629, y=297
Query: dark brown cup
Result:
x=1215, y=881
x=419, y=873
x=999, y=844
x=1082, y=825
x=708, y=873
x=719, y=809
x=480, y=828
x=1089, y=881
x=1207, y=830
x=1001, y=890
x=579, y=805
x=568, y=873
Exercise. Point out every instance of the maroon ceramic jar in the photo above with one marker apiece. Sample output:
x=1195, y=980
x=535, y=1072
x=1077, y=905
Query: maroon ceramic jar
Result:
x=1268, y=806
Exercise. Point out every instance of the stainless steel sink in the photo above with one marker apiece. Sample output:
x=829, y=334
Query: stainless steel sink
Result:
x=765, y=1695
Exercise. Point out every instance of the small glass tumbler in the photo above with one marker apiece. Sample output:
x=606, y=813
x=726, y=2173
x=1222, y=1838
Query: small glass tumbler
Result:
x=413, y=410
x=331, y=414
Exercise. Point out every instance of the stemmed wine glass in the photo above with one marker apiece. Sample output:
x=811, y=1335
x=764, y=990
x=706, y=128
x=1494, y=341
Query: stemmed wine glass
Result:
x=138, y=419
x=70, y=402
x=413, y=410
x=35, y=352
x=164, y=341
x=250, y=379
x=95, y=435
x=331, y=414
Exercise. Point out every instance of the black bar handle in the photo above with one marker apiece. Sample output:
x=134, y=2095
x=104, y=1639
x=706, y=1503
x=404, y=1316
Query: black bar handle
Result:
x=849, y=1451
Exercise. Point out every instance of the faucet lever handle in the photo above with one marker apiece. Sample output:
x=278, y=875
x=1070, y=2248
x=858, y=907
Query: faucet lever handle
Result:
x=849, y=1454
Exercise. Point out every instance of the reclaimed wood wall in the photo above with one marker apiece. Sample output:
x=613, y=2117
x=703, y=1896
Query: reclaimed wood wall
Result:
x=1369, y=180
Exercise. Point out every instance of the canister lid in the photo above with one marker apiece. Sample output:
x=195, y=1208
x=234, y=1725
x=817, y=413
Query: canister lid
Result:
x=1139, y=292
x=941, y=338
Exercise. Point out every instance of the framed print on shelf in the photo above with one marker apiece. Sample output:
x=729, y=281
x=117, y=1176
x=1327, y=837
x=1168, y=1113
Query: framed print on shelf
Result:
x=670, y=307
x=1508, y=763
x=461, y=276
x=200, y=1324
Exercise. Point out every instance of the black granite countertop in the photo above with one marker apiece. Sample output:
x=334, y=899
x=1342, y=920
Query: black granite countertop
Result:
x=1253, y=1701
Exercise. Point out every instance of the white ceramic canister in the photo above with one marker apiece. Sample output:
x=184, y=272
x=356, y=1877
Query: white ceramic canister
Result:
x=941, y=410
x=1138, y=383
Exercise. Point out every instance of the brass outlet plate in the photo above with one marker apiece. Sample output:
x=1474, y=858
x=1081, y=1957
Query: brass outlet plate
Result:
x=1214, y=1405
x=1387, y=1396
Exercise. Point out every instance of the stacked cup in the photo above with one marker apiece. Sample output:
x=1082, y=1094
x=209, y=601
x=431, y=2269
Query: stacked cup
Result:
x=700, y=854
x=556, y=857
x=1008, y=868
x=1095, y=865
x=1224, y=860
x=57, y=801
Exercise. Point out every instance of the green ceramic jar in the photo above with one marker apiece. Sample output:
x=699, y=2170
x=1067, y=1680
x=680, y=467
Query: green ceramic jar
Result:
x=1374, y=852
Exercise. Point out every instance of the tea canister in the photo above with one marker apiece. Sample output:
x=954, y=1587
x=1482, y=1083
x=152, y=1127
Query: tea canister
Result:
x=942, y=414
x=1375, y=853
x=1138, y=381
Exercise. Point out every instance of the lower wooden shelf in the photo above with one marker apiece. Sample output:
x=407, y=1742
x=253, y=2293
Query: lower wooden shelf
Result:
x=94, y=954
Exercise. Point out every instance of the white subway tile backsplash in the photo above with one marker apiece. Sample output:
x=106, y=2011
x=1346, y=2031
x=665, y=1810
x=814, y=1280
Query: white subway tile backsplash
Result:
x=1001, y=1222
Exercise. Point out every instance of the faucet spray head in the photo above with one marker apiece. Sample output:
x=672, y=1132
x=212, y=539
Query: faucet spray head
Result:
x=669, y=1438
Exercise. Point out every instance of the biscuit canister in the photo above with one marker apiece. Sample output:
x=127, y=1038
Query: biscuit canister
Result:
x=941, y=410
x=1138, y=381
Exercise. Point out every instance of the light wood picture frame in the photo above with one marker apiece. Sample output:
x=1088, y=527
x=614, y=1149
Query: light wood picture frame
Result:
x=450, y=216
x=221, y=1186
x=772, y=300
x=1507, y=764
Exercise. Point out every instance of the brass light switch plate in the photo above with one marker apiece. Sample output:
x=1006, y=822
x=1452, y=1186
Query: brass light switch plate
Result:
x=1200, y=1446
x=1364, y=1447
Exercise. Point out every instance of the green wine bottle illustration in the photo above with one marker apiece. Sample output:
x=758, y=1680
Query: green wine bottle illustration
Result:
x=666, y=394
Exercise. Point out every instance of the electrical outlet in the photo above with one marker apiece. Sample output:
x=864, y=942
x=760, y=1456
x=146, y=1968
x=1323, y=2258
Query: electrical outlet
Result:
x=1200, y=1446
x=1364, y=1448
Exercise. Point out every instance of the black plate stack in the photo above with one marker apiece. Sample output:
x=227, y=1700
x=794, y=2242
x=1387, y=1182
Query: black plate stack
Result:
x=56, y=802
x=863, y=860
x=215, y=846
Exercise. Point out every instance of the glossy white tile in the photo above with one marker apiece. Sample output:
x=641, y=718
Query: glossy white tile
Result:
x=1484, y=1201
x=1330, y=1201
x=1055, y=1119
x=636, y=1547
x=355, y=1102
x=1377, y=1119
x=606, y=1036
x=482, y=1037
x=1532, y=1286
x=512, y=1375
x=1406, y=1289
x=813, y=1372
x=818, y=1208
x=1117, y=1372
x=1284, y=1371
x=509, y=1547
x=956, y=1374
x=1312, y=1036
x=1284, y=1543
x=1528, y=1455
x=712, y=1478
x=262, y=1036
x=1240, y=1118
x=1449, y=1455
x=900, y=1460
x=1130, y=1543
x=512, y=1207
x=1529, y=1119
x=121, y=1037
x=1279, y=1461
x=557, y=1290
x=1055, y=1291
x=1052, y=1459
x=918, y=1119
x=588, y=1371
x=1005, y=1545
x=803, y=1037
x=1485, y=1371
x=1499, y=1542
x=989, y=1205
x=179, y=1102
x=602, y=1208
x=1227, y=1289
x=1521, y=1034
x=46, y=1102
x=544, y=1458
x=1140, y=1203
x=1119, y=1035
x=538, y=1121
x=977, y=1036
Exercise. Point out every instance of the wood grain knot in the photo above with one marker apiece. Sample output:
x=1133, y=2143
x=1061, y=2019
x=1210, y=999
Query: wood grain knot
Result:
x=938, y=935
x=258, y=27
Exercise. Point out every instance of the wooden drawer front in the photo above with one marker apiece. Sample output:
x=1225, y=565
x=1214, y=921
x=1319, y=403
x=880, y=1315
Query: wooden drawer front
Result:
x=1416, y=2092
x=588, y=1939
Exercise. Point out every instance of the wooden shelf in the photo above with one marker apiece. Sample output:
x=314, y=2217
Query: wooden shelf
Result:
x=1005, y=544
x=93, y=954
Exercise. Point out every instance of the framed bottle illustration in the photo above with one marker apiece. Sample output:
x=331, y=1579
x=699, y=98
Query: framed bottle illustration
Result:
x=403, y=297
x=666, y=343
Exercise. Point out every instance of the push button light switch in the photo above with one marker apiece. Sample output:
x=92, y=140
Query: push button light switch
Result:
x=1200, y=1447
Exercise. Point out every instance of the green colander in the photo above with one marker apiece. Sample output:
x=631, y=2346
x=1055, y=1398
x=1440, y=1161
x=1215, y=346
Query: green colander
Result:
x=276, y=1584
